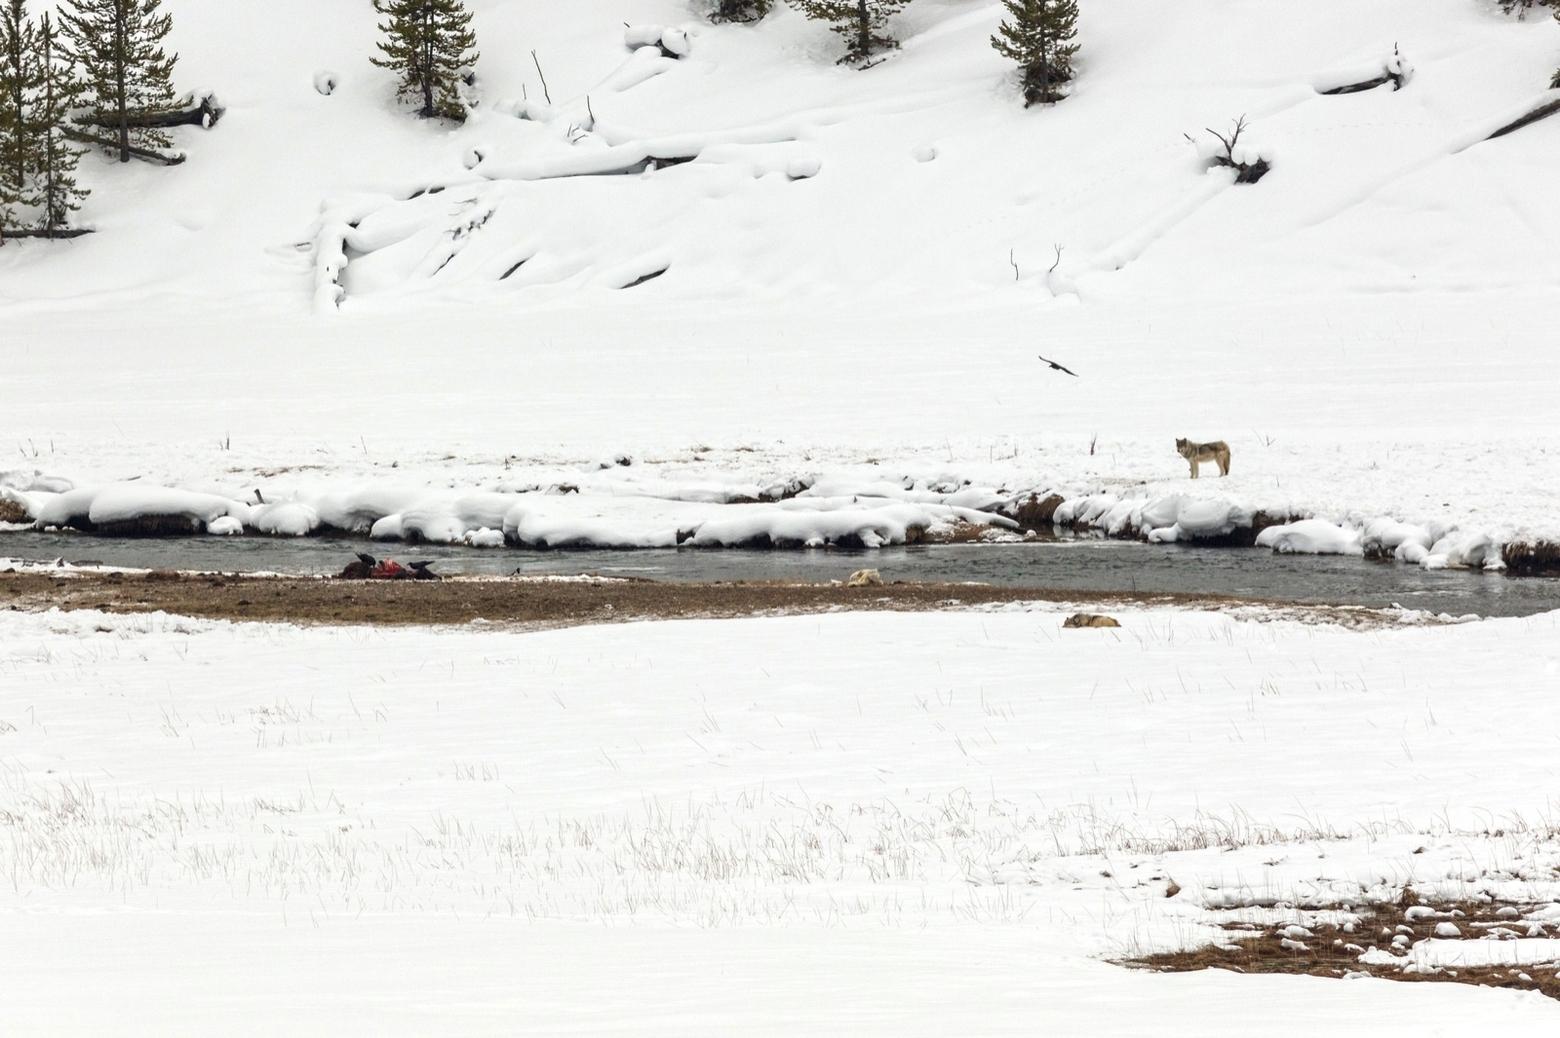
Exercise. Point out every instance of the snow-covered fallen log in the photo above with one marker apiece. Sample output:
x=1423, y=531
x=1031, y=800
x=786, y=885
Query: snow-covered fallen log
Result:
x=157, y=158
x=195, y=109
x=671, y=42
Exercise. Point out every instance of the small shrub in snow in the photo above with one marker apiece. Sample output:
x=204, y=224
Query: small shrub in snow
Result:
x=1249, y=166
x=430, y=45
x=861, y=22
x=739, y=10
x=1038, y=34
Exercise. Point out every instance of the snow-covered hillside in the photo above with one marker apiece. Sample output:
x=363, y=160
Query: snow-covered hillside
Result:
x=1370, y=326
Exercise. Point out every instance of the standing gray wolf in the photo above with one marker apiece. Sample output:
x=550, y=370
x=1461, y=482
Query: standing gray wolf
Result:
x=1194, y=453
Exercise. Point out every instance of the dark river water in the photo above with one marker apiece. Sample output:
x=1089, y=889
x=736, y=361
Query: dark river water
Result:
x=1072, y=565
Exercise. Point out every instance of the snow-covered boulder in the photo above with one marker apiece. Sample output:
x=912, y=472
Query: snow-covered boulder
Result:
x=285, y=519
x=1385, y=536
x=531, y=525
x=484, y=537
x=1162, y=511
x=152, y=509
x=357, y=510
x=386, y=528
x=65, y=509
x=857, y=526
x=1311, y=537
x=448, y=520
x=1464, y=548
x=1194, y=518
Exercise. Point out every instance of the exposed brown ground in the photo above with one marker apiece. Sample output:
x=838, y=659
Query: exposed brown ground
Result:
x=517, y=602
x=1257, y=949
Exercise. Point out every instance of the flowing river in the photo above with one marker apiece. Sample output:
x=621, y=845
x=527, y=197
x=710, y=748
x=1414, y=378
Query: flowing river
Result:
x=1067, y=564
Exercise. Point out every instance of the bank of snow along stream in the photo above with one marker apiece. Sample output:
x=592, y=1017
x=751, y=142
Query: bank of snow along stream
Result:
x=802, y=512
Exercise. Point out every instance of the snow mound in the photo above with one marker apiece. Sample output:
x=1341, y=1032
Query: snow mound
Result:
x=540, y=527
x=669, y=40
x=356, y=510
x=1311, y=537
x=867, y=527
x=285, y=519
x=447, y=521
x=23, y=481
x=1385, y=536
x=1464, y=548
x=131, y=502
x=126, y=502
x=484, y=537
x=1192, y=519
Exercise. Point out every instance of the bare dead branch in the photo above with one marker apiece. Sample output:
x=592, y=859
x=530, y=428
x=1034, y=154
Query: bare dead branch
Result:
x=545, y=92
x=1230, y=141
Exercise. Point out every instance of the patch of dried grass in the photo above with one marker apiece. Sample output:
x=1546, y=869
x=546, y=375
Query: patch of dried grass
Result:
x=1332, y=951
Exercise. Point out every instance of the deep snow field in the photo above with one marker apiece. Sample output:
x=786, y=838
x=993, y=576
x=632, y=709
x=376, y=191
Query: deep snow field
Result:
x=857, y=823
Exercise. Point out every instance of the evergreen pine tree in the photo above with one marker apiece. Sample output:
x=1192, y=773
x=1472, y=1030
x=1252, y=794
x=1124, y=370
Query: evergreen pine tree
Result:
x=740, y=10
x=1554, y=84
x=431, y=45
x=1039, y=37
x=59, y=91
x=1522, y=7
x=19, y=79
x=861, y=22
x=117, y=44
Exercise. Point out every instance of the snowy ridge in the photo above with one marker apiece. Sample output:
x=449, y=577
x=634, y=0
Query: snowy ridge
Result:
x=536, y=520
